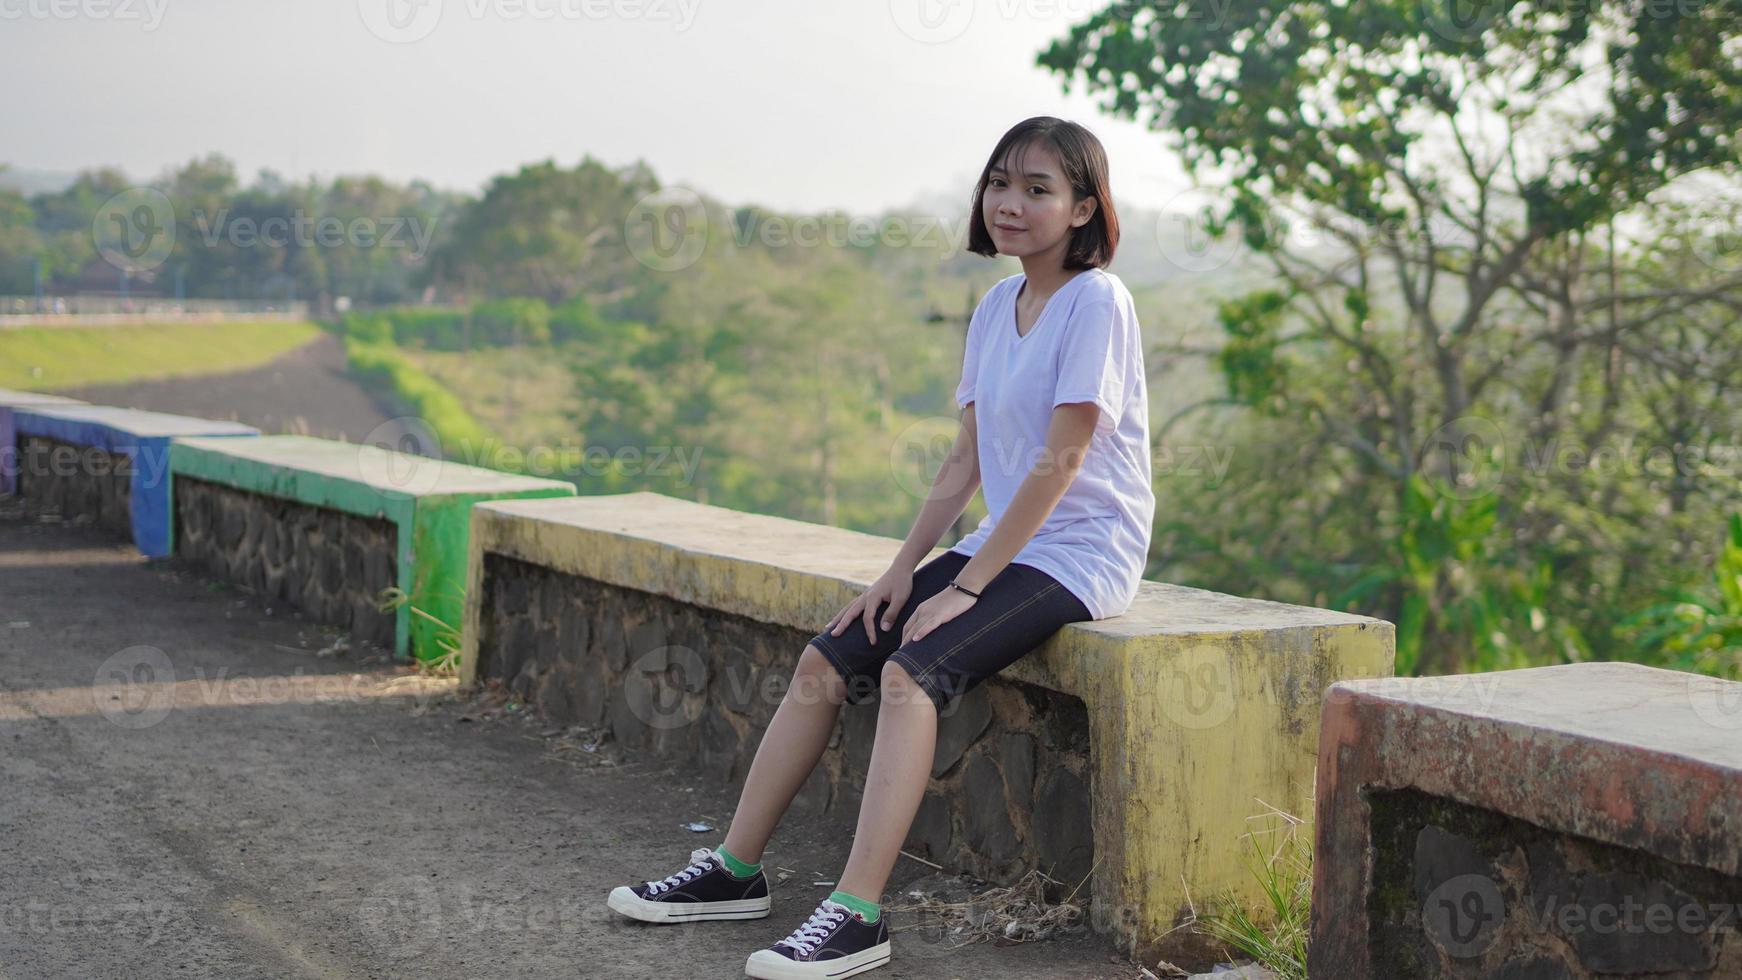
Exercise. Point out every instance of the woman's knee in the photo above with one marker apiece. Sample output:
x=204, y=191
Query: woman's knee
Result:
x=900, y=686
x=815, y=676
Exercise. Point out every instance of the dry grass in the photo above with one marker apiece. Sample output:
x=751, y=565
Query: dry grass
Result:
x=1016, y=913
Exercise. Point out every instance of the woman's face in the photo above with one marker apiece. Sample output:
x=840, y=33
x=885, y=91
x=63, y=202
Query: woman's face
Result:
x=1027, y=205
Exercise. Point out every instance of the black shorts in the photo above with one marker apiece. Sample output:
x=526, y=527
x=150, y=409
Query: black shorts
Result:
x=1017, y=611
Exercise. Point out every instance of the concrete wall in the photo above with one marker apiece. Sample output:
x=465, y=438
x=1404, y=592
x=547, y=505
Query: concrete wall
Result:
x=687, y=683
x=1199, y=710
x=331, y=565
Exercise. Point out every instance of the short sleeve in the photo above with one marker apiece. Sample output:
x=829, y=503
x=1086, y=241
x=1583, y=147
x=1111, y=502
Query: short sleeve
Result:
x=1091, y=361
x=970, y=358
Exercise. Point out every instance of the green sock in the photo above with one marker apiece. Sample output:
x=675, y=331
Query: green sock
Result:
x=737, y=868
x=857, y=904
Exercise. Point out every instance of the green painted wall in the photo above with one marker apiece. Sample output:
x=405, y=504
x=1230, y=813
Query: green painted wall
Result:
x=429, y=502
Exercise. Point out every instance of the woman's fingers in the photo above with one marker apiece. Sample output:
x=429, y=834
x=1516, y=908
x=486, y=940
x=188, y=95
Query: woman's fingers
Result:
x=845, y=616
x=890, y=613
x=870, y=620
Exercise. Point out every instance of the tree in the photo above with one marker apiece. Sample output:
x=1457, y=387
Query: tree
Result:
x=546, y=231
x=1488, y=192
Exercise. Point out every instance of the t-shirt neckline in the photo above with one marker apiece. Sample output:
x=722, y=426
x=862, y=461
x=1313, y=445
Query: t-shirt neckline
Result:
x=1044, y=307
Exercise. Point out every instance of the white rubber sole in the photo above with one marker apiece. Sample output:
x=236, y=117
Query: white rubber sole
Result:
x=766, y=964
x=624, y=900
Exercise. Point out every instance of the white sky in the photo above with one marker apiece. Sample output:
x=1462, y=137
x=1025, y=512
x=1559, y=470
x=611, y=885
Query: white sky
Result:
x=791, y=104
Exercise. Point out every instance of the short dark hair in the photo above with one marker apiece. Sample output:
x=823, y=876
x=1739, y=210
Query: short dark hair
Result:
x=1085, y=165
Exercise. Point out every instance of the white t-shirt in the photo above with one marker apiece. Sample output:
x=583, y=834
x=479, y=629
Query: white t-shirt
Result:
x=1085, y=346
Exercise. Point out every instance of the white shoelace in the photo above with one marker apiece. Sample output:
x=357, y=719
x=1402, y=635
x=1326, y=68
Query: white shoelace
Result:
x=701, y=859
x=817, y=928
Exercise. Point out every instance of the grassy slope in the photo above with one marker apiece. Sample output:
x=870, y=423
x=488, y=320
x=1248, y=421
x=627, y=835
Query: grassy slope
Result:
x=47, y=358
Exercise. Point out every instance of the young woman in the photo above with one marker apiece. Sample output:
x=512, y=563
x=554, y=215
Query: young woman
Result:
x=1055, y=429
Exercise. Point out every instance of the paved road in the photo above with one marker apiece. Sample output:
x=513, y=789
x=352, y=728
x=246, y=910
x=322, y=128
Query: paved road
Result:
x=305, y=391
x=187, y=791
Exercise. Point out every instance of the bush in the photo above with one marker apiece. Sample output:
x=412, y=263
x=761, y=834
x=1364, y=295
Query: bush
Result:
x=367, y=328
x=384, y=365
x=506, y=322
x=577, y=320
x=432, y=329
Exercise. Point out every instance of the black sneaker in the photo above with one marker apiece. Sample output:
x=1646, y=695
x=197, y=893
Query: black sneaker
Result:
x=704, y=890
x=834, y=942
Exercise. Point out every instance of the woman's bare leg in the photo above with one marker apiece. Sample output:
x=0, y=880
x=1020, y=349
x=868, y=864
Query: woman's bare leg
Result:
x=789, y=750
x=901, y=760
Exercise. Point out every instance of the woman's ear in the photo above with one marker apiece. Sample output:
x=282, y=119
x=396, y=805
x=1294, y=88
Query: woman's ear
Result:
x=1085, y=210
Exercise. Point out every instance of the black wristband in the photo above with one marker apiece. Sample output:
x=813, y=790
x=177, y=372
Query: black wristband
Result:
x=958, y=588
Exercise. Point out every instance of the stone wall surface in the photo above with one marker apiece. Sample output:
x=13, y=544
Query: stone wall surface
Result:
x=1010, y=784
x=76, y=483
x=328, y=563
x=1571, y=821
x=1462, y=891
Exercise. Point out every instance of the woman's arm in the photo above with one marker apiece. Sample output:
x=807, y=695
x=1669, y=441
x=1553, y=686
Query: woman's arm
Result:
x=951, y=489
x=1067, y=441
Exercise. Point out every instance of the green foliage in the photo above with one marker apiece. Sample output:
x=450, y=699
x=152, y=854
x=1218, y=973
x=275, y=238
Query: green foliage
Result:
x=1466, y=600
x=360, y=237
x=1276, y=936
x=494, y=323
x=368, y=328
x=1249, y=356
x=577, y=321
x=1697, y=629
x=1303, y=97
x=1431, y=310
x=444, y=661
x=511, y=322
x=548, y=232
x=438, y=329
x=383, y=365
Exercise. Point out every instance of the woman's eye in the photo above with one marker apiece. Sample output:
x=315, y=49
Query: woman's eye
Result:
x=1038, y=188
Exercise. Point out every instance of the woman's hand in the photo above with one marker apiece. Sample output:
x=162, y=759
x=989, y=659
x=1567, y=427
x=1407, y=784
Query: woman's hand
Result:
x=935, y=612
x=893, y=587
